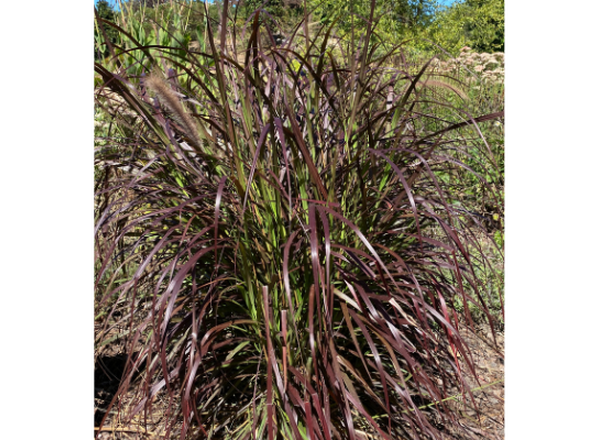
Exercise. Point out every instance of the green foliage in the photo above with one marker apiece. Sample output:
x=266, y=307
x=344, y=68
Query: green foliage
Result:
x=396, y=19
x=104, y=12
x=277, y=15
x=478, y=24
x=273, y=7
x=174, y=25
x=136, y=5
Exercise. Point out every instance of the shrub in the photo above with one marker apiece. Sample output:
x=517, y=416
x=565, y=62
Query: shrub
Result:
x=280, y=236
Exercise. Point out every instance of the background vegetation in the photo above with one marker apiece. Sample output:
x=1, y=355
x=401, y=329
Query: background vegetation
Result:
x=297, y=212
x=431, y=26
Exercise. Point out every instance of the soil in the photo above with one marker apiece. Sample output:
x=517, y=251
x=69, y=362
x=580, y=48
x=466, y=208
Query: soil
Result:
x=484, y=420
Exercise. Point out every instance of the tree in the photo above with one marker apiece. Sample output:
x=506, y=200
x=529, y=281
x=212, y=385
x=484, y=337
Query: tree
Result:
x=105, y=12
x=146, y=3
x=478, y=24
x=284, y=11
x=395, y=18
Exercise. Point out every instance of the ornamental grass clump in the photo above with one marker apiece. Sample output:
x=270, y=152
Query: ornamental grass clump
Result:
x=277, y=242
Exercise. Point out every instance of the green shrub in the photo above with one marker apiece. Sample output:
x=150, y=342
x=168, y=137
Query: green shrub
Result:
x=475, y=23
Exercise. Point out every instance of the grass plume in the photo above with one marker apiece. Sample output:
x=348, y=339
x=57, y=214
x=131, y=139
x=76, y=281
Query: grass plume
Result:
x=167, y=97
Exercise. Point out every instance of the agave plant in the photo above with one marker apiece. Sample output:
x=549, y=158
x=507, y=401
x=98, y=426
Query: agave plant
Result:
x=278, y=238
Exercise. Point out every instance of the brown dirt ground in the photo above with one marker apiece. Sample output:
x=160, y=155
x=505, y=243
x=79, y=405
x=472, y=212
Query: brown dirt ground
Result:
x=488, y=395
